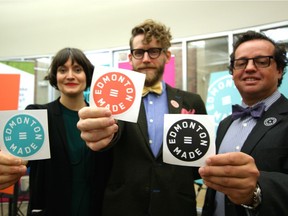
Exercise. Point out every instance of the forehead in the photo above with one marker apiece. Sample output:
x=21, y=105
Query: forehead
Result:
x=254, y=48
x=138, y=42
x=70, y=62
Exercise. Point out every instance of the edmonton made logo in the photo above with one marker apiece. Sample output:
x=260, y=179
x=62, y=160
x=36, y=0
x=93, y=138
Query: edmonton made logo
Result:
x=188, y=140
x=222, y=93
x=23, y=135
x=114, y=91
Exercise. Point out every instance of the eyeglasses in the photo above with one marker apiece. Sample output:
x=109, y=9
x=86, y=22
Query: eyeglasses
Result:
x=152, y=52
x=259, y=62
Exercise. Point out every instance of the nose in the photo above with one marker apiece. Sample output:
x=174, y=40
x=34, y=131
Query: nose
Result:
x=146, y=57
x=250, y=65
x=70, y=74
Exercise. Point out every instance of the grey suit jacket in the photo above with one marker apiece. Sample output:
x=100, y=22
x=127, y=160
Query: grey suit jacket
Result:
x=268, y=145
x=141, y=184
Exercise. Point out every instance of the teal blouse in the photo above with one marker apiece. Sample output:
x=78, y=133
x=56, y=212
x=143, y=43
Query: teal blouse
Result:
x=81, y=162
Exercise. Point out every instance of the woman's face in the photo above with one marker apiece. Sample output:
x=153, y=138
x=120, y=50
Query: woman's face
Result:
x=71, y=79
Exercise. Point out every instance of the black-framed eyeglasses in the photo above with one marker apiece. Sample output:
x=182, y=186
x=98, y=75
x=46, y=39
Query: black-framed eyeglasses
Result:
x=259, y=62
x=152, y=52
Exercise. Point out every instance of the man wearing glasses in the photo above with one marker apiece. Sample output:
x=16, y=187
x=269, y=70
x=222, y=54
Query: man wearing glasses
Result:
x=249, y=176
x=140, y=183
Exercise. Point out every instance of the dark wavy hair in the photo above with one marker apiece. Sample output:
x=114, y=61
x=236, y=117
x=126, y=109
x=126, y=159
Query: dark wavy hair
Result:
x=279, y=52
x=76, y=55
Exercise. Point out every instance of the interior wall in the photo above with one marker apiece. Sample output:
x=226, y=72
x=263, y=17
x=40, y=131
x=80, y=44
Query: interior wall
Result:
x=35, y=28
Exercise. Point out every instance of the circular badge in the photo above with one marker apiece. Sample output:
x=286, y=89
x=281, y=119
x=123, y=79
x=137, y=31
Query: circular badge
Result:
x=174, y=103
x=114, y=91
x=270, y=121
x=188, y=140
x=23, y=135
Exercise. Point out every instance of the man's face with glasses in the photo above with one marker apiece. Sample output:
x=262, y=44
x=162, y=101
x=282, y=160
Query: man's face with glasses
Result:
x=149, y=59
x=255, y=72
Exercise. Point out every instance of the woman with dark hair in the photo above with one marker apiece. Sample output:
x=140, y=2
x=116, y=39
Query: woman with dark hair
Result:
x=72, y=181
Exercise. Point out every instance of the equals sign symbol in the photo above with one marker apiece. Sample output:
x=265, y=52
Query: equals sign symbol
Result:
x=187, y=140
x=22, y=135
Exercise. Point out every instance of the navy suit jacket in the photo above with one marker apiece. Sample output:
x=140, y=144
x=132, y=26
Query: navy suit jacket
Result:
x=268, y=145
x=141, y=184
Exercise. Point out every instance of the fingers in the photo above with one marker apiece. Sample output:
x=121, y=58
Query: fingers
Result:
x=11, y=165
x=92, y=118
x=234, y=174
x=230, y=165
x=240, y=171
x=11, y=169
x=6, y=159
x=94, y=112
x=231, y=158
x=97, y=127
x=98, y=145
x=8, y=180
x=238, y=195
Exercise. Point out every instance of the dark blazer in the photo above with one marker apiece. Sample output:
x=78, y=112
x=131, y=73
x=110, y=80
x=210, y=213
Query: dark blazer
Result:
x=141, y=184
x=268, y=145
x=50, y=180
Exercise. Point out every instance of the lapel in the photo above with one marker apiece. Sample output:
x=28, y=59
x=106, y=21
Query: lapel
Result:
x=224, y=125
x=175, y=101
x=270, y=119
x=58, y=123
x=142, y=122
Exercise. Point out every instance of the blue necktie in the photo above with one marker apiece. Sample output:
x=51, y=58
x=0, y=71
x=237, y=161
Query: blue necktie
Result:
x=239, y=111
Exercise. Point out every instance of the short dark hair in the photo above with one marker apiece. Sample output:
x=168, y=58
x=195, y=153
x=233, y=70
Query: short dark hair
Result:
x=76, y=55
x=279, y=52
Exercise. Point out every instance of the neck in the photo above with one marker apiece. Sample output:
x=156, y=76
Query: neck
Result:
x=152, y=84
x=73, y=103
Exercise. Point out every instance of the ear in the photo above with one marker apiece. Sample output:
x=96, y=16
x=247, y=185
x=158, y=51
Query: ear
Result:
x=168, y=56
x=130, y=58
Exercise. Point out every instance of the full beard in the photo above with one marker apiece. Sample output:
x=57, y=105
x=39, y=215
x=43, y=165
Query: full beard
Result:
x=154, y=77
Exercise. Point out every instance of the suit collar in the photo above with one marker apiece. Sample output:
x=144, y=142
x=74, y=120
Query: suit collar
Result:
x=174, y=99
x=270, y=118
x=142, y=121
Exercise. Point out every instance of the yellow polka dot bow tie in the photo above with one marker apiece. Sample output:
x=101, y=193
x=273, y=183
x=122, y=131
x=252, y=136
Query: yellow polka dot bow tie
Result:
x=157, y=88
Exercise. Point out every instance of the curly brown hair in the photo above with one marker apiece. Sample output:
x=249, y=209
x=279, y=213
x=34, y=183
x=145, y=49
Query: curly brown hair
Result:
x=150, y=28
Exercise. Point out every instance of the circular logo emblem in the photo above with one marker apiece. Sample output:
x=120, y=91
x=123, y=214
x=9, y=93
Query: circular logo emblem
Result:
x=114, y=91
x=188, y=140
x=270, y=121
x=23, y=135
x=222, y=93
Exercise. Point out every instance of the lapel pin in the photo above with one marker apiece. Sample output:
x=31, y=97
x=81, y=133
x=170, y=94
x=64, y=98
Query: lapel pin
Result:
x=174, y=103
x=270, y=121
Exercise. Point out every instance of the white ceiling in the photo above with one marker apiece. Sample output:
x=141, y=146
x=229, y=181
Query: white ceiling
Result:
x=42, y=27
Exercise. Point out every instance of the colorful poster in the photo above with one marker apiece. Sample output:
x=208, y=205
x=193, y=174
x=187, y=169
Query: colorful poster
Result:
x=222, y=94
x=26, y=85
x=9, y=91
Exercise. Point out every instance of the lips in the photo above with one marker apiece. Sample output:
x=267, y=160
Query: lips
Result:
x=251, y=79
x=146, y=68
x=71, y=84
